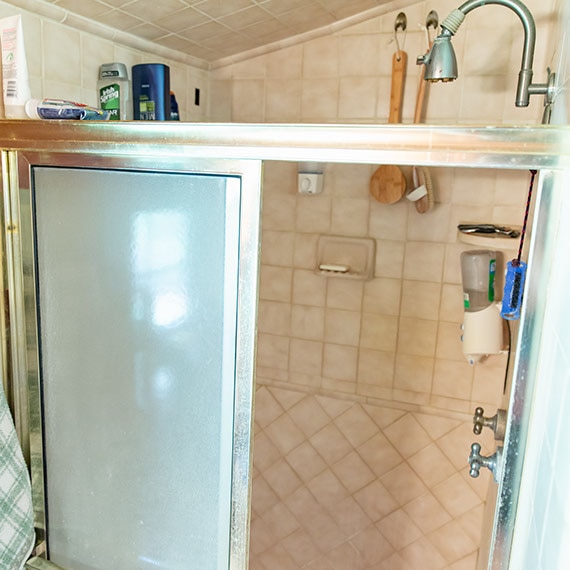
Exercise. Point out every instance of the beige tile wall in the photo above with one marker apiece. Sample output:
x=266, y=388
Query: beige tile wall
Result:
x=64, y=64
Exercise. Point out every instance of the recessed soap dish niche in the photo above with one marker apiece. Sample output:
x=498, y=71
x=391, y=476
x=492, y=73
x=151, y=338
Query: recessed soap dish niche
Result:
x=351, y=258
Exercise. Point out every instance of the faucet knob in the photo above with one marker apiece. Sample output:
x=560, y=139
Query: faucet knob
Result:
x=476, y=461
x=497, y=422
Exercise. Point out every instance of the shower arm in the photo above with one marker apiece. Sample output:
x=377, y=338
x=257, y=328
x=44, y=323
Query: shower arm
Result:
x=525, y=87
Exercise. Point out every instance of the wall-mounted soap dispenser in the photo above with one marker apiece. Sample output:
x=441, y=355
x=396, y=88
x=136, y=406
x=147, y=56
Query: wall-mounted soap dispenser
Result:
x=482, y=322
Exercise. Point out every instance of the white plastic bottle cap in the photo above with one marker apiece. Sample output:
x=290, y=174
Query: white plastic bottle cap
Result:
x=31, y=108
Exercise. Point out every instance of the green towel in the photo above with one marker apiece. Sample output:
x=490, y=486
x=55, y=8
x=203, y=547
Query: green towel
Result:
x=16, y=515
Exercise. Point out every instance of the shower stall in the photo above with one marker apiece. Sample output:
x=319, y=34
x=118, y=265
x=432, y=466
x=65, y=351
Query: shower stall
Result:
x=130, y=311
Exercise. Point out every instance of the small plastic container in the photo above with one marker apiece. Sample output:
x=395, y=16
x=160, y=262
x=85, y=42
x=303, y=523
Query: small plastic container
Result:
x=478, y=269
x=151, y=92
x=114, y=91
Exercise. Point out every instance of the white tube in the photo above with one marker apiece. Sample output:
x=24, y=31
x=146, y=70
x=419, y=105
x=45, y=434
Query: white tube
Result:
x=15, y=80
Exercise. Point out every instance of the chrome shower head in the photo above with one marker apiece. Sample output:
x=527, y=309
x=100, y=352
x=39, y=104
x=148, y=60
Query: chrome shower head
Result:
x=440, y=63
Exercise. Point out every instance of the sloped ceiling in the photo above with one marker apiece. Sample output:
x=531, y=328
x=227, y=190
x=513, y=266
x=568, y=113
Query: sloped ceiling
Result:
x=217, y=30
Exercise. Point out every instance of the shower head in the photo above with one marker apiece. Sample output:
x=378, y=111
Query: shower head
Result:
x=440, y=63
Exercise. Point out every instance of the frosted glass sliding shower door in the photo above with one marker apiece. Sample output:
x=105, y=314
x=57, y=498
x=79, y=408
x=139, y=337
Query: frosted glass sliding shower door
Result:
x=137, y=279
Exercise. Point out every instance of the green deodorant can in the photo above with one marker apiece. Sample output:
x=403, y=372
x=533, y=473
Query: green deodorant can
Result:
x=113, y=89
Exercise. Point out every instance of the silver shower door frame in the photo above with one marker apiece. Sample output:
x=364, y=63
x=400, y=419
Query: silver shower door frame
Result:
x=546, y=149
x=22, y=350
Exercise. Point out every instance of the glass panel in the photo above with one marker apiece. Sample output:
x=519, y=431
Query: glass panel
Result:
x=137, y=310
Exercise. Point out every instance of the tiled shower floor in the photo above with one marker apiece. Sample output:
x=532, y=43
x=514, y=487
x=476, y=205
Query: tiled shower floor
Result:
x=341, y=485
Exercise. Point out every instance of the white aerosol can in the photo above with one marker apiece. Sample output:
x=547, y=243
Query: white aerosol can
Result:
x=114, y=91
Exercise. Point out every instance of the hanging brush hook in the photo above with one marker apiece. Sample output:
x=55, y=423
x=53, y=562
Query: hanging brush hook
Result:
x=401, y=23
x=432, y=21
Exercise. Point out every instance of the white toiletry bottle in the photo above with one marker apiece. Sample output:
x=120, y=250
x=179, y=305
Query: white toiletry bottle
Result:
x=114, y=91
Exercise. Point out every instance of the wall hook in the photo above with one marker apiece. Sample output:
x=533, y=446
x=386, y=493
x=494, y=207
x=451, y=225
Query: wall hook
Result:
x=401, y=23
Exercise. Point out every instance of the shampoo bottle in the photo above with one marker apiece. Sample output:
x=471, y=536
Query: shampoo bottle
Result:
x=113, y=90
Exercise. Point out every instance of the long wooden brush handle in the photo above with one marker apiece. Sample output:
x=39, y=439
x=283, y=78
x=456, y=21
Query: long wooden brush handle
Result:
x=399, y=65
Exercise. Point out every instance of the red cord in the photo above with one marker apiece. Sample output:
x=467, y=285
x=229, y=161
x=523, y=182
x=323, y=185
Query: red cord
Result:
x=523, y=231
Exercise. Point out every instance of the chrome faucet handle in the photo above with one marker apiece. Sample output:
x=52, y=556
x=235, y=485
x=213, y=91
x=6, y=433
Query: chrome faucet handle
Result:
x=497, y=423
x=476, y=461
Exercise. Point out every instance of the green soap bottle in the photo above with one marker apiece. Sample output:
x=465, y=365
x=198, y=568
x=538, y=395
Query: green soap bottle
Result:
x=114, y=90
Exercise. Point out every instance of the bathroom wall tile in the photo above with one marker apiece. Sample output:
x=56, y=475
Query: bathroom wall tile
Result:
x=306, y=356
x=452, y=379
x=424, y=261
x=488, y=384
x=379, y=332
x=285, y=63
x=344, y=294
x=449, y=345
x=279, y=213
x=342, y=327
x=320, y=58
x=279, y=178
x=307, y=322
x=382, y=296
x=273, y=351
x=389, y=258
x=277, y=248
x=305, y=255
x=275, y=284
x=274, y=318
x=420, y=299
x=451, y=309
x=375, y=368
x=475, y=188
x=452, y=262
x=388, y=221
x=349, y=180
x=308, y=288
x=413, y=373
x=417, y=337
x=314, y=214
x=283, y=100
x=358, y=55
x=432, y=226
x=417, y=399
x=451, y=404
x=319, y=99
x=248, y=100
x=357, y=98
x=340, y=362
x=61, y=54
x=350, y=217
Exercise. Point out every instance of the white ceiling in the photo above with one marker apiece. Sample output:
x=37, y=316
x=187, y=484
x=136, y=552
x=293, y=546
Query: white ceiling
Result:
x=214, y=30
